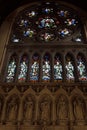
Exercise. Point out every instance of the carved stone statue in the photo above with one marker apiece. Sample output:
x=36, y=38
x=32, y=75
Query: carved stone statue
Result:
x=45, y=110
x=78, y=107
x=28, y=108
x=12, y=109
x=62, y=108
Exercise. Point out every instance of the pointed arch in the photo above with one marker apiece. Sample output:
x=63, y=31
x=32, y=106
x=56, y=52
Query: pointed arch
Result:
x=12, y=108
x=70, y=67
x=79, y=107
x=58, y=71
x=23, y=68
x=11, y=68
x=34, y=68
x=62, y=107
x=29, y=108
x=46, y=68
x=81, y=66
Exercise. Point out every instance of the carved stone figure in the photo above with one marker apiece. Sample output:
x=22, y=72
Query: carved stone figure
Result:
x=28, y=107
x=78, y=106
x=62, y=108
x=45, y=110
x=12, y=109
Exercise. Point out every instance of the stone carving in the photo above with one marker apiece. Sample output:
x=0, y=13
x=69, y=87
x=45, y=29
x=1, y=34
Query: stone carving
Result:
x=78, y=106
x=62, y=108
x=0, y=107
x=28, y=109
x=12, y=109
x=45, y=110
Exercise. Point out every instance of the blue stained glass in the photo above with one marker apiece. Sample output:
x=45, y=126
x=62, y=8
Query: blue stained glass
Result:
x=24, y=23
x=63, y=13
x=34, y=72
x=46, y=68
x=57, y=68
x=69, y=70
x=81, y=68
x=23, y=69
x=64, y=32
x=46, y=23
x=47, y=10
x=11, y=69
x=71, y=22
x=29, y=33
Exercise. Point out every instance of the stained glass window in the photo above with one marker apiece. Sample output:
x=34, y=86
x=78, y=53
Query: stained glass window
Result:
x=57, y=68
x=64, y=32
x=46, y=68
x=11, y=70
x=46, y=20
x=29, y=33
x=47, y=36
x=69, y=68
x=81, y=68
x=78, y=38
x=34, y=70
x=23, y=69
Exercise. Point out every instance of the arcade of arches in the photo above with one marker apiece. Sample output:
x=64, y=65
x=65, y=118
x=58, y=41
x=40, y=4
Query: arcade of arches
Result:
x=43, y=68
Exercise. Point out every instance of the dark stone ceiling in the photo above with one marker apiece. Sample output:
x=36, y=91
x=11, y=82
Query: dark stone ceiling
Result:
x=7, y=6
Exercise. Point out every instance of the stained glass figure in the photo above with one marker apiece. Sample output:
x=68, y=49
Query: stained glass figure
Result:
x=64, y=32
x=81, y=68
x=23, y=69
x=46, y=68
x=34, y=71
x=78, y=38
x=69, y=69
x=11, y=70
x=47, y=36
x=47, y=10
x=31, y=14
x=71, y=22
x=63, y=13
x=57, y=68
x=47, y=23
x=29, y=33
x=23, y=22
x=15, y=39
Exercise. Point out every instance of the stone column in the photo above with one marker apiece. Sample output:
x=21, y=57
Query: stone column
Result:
x=3, y=118
x=76, y=70
x=85, y=28
x=20, y=112
x=36, y=112
x=86, y=110
x=52, y=67
x=29, y=66
x=41, y=65
x=64, y=69
x=54, y=113
x=71, y=116
x=17, y=70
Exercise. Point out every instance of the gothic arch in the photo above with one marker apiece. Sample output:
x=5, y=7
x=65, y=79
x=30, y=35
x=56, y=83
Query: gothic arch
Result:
x=79, y=108
x=29, y=107
x=45, y=112
x=12, y=108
